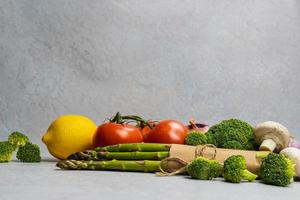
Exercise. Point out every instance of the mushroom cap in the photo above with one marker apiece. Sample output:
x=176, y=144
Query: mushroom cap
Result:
x=272, y=130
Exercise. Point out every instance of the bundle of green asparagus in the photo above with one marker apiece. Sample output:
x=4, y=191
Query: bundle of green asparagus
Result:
x=144, y=157
x=136, y=151
x=152, y=157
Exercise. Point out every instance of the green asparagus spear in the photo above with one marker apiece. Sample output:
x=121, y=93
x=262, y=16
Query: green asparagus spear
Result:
x=120, y=165
x=105, y=155
x=262, y=154
x=135, y=147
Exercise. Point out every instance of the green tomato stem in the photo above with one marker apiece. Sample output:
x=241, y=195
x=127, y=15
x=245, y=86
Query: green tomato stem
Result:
x=119, y=119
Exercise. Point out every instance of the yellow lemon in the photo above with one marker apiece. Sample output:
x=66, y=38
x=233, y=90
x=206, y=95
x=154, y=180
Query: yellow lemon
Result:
x=69, y=134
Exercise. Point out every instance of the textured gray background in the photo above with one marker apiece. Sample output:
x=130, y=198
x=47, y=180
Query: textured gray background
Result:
x=211, y=60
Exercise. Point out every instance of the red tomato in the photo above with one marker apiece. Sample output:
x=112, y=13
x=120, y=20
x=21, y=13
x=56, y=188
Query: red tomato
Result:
x=169, y=132
x=112, y=133
x=145, y=130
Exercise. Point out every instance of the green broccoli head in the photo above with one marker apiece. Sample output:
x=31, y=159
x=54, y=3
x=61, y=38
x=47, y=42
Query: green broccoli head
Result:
x=29, y=153
x=210, y=138
x=6, y=151
x=18, y=139
x=235, y=170
x=204, y=169
x=196, y=138
x=233, y=145
x=232, y=130
x=278, y=170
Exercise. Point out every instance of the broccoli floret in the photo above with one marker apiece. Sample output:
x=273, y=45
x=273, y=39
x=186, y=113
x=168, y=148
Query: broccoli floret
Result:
x=6, y=151
x=233, y=145
x=235, y=170
x=278, y=170
x=196, y=138
x=204, y=169
x=232, y=130
x=18, y=139
x=29, y=153
x=210, y=138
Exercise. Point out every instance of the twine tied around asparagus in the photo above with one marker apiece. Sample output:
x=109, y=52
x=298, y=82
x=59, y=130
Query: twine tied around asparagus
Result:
x=178, y=171
x=199, y=151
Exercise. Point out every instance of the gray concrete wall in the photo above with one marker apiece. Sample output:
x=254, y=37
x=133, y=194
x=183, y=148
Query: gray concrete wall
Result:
x=211, y=60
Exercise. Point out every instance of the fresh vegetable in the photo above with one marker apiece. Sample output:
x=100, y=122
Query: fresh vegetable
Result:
x=225, y=132
x=135, y=151
x=144, y=125
x=272, y=136
x=120, y=165
x=204, y=169
x=233, y=145
x=147, y=127
x=6, y=151
x=293, y=154
x=168, y=132
x=278, y=170
x=18, y=139
x=262, y=154
x=157, y=151
x=196, y=138
x=112, y=133
x=106, y=155
x=235, y=170
x=69, y=134
x=29, y=153
x=193, y=126
x=118, y=131
x=135, y=147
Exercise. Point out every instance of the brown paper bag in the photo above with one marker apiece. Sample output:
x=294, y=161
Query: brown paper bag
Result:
x=188, y=153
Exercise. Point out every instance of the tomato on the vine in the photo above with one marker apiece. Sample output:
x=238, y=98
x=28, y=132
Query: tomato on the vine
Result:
x=118, y=131
x=167, y=131
x=147, y=128
x=145, y=131
x=114, y=133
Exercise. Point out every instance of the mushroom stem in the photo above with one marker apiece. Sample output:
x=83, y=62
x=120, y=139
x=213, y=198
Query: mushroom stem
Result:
x=267, y=145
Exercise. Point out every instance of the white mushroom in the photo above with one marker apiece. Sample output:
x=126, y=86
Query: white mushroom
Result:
x=271, y=136
x=293, y=154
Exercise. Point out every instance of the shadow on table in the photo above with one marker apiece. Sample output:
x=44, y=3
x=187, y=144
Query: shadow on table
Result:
x=50, y=160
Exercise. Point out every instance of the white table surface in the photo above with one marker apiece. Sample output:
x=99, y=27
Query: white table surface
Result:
x=45, y=181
